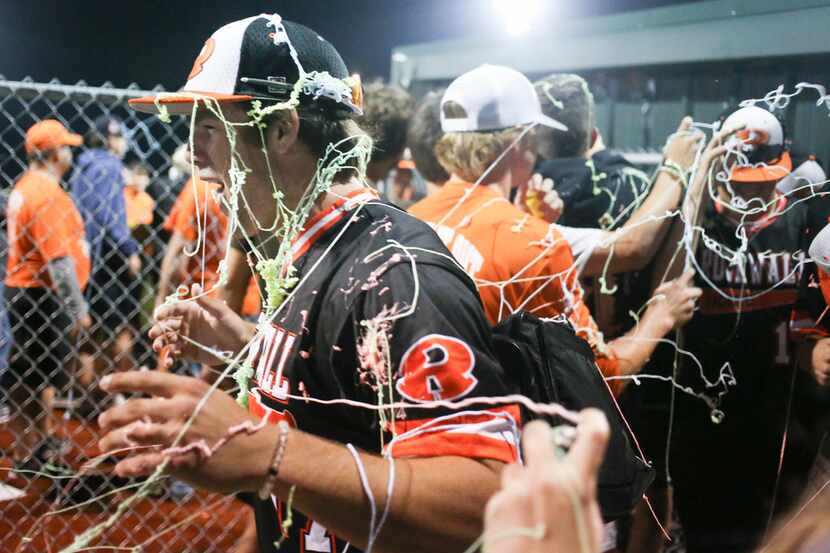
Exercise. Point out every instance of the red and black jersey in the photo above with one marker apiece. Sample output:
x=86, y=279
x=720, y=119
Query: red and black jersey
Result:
x=379, y=315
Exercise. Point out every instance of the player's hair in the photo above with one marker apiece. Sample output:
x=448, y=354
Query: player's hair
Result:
x=319, y=130
x=387, y=110
x=469, y=154
x=566, y=98
x=138, y=166
x=424, y=133
x=94, y=140
x=40, y=156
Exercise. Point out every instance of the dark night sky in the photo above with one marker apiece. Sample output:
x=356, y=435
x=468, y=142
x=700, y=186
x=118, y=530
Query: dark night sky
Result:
x=155, y=41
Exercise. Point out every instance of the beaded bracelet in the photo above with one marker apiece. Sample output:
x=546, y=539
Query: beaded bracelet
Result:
x=276, y=461
x=675, y=170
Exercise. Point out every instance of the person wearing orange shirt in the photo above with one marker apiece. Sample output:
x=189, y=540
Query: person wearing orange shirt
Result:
x=520, y=262
x=138, y=203
x=198, y=239
x=48, y=268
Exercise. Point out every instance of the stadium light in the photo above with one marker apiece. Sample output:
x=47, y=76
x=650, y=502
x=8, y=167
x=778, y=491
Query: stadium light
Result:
x=517, y=14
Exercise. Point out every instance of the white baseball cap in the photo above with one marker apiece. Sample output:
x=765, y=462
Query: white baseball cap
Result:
x=762, y=142
x=820, y=248
x=493, y=97
x=808, y=173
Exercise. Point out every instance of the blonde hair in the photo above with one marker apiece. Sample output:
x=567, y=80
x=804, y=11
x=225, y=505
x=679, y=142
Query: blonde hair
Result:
x=469, y=154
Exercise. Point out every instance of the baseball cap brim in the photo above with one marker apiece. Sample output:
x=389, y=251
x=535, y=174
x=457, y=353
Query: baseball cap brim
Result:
x=182, y=105
x=550, y=122
x=772, y=171
x=72, y=139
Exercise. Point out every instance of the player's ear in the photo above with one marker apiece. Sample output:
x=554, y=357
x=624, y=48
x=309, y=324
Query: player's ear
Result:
x=284, y=131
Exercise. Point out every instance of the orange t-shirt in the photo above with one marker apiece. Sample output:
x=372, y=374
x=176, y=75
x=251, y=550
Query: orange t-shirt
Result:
x=195, y=209
x=43, y=224
x=519, y=262
x=139, y=206
x=251, y=305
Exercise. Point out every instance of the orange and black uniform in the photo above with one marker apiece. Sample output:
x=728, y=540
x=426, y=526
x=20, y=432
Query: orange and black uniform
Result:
x=323, y=345
x=519, y=262
x=43, y=225
x=724, y=474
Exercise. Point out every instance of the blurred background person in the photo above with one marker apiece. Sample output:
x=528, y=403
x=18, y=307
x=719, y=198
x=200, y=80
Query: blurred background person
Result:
x=387, y=110
x=139, y=205
x=140, y=209
x=5, y=331
x=47, y=269
x=599, y=188
x=421, y=138
x=97, y=185
x=198, y=239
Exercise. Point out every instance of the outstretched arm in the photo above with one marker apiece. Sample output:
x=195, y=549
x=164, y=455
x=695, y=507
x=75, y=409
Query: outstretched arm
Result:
x=671, y=306
x=632, y=247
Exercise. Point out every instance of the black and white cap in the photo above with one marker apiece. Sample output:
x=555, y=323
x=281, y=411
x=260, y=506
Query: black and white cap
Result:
x=492, y=97
x=260, y=58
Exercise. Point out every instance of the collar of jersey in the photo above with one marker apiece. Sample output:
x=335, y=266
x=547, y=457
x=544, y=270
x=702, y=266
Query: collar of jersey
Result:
x=478, y=189
x=316, y=226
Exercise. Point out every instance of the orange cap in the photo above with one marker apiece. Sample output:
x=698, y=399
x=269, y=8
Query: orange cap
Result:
x=48, y=135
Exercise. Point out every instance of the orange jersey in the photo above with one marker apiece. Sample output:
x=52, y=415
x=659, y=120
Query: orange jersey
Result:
x=197, y=216
x=251, y=305
x=139, y=206
x=519, y=262
x=43, y=224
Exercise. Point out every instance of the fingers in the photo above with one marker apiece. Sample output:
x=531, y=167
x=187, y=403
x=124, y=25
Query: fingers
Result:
x=151, y=382
x=686, y=278
x=588, y=450
x=538, y=446
x=720, y=137
x=156, y=409
x=685, y=124
x=511, y=473
x=140, y=465
x=138, y=433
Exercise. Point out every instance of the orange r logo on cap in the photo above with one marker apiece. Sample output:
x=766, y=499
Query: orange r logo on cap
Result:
x=201, y=59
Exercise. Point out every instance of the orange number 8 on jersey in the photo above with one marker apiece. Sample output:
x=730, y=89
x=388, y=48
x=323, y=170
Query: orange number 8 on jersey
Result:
x=436, y=368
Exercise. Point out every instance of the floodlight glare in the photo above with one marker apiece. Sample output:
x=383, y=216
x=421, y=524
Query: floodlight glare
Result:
x=517, y=14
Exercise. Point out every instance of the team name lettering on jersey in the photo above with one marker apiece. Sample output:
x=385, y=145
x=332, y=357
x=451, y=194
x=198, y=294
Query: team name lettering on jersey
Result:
x=462, y=249
x=268, y=355
x=761, y=269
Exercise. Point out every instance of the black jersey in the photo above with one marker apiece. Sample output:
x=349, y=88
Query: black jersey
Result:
x=745, y=307
x=724, y=472
x=381, y=313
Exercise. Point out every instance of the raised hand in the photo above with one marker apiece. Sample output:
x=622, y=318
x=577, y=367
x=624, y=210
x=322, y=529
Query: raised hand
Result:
x=539, y=198
x=674, y=302
x=550, y=504
x=152, y=425
x=201, y=320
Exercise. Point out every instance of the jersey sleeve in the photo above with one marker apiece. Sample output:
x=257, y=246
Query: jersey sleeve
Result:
x=421, y=334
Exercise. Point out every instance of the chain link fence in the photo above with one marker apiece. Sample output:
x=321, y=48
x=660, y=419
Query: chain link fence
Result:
x=137, y=211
